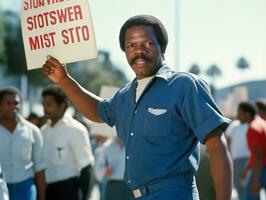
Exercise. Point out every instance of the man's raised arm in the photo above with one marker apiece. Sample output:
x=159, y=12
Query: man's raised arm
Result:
x=85, y=101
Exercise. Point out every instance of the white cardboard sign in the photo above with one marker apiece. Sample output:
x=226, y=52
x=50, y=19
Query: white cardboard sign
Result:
x=61, y=28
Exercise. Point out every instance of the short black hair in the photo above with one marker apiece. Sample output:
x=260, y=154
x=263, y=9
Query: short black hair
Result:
x=9, y=90
x=248, y=107
x=146, y=20
x=57, y=93
x=261, y=106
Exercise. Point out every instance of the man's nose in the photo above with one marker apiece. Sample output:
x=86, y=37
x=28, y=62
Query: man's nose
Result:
x=140, y=49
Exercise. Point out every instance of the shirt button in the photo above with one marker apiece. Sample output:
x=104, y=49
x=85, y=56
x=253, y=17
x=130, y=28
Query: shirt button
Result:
x=131, y=134
x=129, y=181
x=127, y=157
x=136, y=112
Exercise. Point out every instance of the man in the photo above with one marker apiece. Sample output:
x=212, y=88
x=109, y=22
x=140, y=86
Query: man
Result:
x=21, y=150
x=67, y=149
x=160, y=116
x=236, y=134
x=256, y=140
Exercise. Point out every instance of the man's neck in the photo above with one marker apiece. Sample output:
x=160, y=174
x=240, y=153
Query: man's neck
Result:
x=9, y=124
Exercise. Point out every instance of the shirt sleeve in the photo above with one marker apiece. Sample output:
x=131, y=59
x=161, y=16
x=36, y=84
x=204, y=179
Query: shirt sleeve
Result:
x=81, y=147
x=107, y=109
x=199, y=110
x=37, y=151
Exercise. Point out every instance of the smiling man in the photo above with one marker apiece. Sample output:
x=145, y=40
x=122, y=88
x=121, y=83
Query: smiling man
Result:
x=161, y=116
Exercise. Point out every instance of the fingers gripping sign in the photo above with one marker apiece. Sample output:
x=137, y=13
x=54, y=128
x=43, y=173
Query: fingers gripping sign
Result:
x=54, y=70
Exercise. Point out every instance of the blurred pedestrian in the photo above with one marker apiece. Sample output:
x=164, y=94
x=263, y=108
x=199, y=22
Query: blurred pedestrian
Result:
x=236, y=134
x=21, y=150
x=3, y=187
x=110, y=167
x=261, y=107
x=255, y=173
x=67, y=149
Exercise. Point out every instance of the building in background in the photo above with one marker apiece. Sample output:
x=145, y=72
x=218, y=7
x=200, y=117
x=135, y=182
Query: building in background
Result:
x=228, y=98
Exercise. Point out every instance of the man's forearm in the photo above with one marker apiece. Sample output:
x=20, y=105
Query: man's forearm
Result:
x=40, y=184
x=221, y=166
x=86, y=102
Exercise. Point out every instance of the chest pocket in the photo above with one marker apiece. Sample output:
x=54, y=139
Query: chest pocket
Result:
x=59, y=154
x=157, y=122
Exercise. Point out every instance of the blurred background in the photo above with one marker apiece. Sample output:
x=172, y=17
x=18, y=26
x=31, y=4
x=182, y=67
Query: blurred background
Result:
x=222, y=41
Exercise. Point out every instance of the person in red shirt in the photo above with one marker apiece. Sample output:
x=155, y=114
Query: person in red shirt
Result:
x=256, y=140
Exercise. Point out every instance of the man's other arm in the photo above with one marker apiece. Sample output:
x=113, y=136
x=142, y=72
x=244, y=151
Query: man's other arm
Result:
x=221, y=164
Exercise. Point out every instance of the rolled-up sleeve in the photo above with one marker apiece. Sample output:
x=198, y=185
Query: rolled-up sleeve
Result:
x=199, y=110
x=37, y=151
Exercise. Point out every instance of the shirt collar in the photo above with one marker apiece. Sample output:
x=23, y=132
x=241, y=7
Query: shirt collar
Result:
x=64, y=120
x=165, y=73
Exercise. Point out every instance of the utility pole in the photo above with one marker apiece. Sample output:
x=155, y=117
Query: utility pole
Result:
x=177, y=32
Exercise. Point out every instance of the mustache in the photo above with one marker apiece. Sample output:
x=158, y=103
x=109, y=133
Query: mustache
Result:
x=143, y=57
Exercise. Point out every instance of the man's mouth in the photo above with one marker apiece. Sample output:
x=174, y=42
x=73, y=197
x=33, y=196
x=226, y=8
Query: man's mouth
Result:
x=140, y=60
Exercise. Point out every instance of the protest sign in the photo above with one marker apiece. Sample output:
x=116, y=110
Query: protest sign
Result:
x=61, y=28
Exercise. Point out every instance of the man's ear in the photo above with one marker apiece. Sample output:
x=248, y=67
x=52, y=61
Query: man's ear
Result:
x=63, y=107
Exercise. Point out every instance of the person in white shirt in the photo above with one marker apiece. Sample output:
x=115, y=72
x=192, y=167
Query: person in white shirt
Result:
x=67, y=150
x=237, y=140
x=110, y=167
x=3, y=187
x=21, y=150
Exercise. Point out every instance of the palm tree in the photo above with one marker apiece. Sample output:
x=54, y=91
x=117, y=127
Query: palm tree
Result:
x=213, y=72
x=242, y=63
x=194, y=69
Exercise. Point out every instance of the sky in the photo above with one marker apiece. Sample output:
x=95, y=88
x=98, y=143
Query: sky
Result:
x=204, y=32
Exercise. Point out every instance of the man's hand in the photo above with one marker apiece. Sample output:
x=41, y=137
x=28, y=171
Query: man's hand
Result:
x=108, y=171
x=54, y=70
x=255, y=187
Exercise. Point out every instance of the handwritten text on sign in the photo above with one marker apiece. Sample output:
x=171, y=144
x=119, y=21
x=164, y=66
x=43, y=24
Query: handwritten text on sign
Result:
x=62, y=28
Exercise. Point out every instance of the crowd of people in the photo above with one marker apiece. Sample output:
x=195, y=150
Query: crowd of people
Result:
x=161, y=117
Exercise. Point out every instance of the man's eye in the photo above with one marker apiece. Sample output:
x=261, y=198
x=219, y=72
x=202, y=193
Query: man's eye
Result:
x=149, y=44
x=129, y=46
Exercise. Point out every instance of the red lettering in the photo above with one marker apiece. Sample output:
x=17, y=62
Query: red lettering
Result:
x=85, y=33
x=78, y=12
x=61, y=15
x=76, y=34
x=65, y=37
x=30, y=23
x=42, y=41
x=54, y=17
x=26, y=5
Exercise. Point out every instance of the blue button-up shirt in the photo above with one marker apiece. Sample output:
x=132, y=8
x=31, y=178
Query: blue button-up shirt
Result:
x=161, y=131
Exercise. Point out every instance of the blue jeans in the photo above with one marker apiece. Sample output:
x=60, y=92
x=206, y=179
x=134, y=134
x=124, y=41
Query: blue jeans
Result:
x=239, y=167
x=248, y=194
x=25, y=190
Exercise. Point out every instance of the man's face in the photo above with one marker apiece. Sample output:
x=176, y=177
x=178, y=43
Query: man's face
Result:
x=52, y=109
x=9, y=106
x=143, y=51
x=242, y=116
